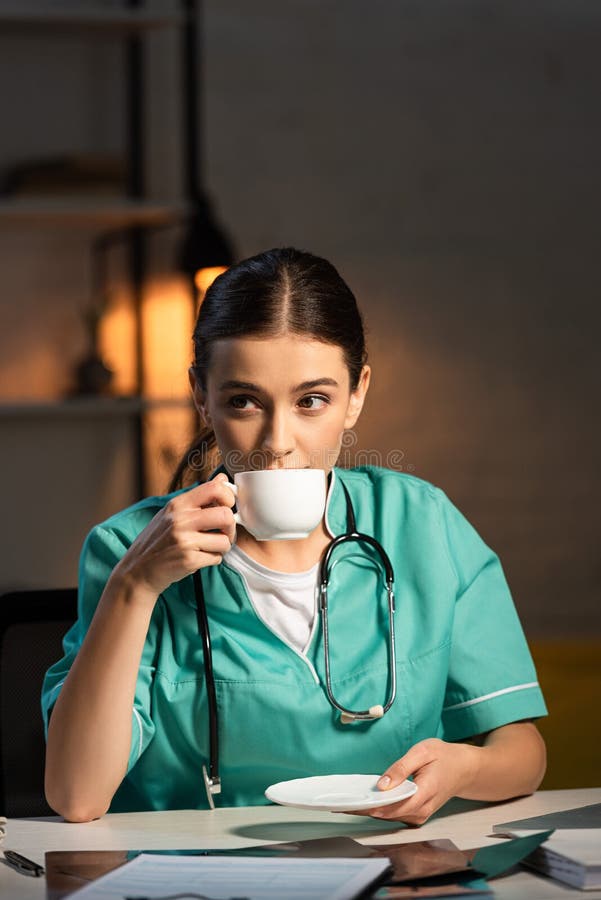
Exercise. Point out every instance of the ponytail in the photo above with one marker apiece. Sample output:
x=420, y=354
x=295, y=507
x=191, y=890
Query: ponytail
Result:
x=198, y=461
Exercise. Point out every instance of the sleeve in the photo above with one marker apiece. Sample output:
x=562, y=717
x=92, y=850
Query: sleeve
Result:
x=101, y=552
x=491, y=680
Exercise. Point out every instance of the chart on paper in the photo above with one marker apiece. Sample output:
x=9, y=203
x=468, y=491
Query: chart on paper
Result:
x=221, y=878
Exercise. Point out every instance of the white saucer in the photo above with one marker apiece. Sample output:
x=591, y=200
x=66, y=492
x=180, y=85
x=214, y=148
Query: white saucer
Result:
x=337, y=792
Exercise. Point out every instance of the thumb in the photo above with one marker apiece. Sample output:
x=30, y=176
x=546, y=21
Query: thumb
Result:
x=407, y=765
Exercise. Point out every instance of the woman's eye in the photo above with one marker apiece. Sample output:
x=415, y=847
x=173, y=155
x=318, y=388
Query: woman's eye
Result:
x=241, y=402
x=313, y=402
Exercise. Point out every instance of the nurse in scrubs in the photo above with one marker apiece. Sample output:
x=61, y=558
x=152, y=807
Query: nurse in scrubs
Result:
x=279, y=374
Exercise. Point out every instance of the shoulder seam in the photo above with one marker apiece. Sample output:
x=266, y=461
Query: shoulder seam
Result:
x=438, y=494
x=360, y=472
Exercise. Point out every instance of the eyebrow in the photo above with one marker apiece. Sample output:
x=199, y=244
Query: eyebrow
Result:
x=303, y=386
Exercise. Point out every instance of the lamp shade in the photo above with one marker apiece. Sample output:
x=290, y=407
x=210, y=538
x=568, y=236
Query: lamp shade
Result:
x=205, y=245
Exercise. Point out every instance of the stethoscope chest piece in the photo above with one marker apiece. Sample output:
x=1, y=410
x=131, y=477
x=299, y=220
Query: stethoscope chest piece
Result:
x=375, y=712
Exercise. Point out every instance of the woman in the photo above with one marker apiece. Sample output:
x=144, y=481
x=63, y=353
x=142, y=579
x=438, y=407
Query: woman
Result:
x=279, y=373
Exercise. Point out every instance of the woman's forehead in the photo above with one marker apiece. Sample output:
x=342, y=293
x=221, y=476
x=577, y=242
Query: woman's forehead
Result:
x=287, y=355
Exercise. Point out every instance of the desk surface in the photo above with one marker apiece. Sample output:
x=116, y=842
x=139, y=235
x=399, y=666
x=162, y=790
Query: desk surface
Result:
x=467, y=824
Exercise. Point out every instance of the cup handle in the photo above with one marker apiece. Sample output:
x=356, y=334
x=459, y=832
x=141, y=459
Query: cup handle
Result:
x=234, y=488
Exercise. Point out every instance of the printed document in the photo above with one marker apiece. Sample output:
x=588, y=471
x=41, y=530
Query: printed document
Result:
x=221, y=878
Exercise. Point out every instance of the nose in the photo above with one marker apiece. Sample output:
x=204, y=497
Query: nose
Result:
x=278, y=440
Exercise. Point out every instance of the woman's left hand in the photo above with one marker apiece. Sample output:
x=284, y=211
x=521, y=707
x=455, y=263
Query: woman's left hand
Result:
x=441, y=770
x=508, y=761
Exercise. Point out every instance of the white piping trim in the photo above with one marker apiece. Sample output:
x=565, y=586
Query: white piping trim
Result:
x=509, y=690
x=139, y=721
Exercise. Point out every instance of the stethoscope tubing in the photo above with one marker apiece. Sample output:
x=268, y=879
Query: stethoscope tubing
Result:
x=324, y=578
x=212, y=779
x=365, y=715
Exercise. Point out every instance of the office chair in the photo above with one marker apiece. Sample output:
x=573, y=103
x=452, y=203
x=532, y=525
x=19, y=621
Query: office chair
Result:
x=32, y=625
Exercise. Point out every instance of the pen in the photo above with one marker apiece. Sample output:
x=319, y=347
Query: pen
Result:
x=22, y=864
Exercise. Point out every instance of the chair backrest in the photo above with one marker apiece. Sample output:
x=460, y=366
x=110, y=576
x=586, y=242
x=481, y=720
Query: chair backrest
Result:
x=32, y=625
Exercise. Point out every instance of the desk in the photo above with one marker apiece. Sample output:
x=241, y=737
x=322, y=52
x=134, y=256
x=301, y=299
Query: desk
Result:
x=465, y=822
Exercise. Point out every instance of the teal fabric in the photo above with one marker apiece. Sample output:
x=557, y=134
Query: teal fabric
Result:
x=496, y=859
x=463, y=665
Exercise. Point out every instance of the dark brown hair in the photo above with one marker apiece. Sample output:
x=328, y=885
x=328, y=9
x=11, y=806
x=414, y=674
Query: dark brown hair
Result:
x=281, y=291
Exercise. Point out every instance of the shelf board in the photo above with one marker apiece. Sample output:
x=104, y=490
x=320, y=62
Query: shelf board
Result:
x=27, y=16
x=86, y=211
x=89, y=407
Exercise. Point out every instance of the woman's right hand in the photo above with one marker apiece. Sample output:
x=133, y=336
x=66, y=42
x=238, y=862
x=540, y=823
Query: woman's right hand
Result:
x=193, y=530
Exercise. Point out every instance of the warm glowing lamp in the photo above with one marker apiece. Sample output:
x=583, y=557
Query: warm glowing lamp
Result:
x=204, y=278
x=206, y=251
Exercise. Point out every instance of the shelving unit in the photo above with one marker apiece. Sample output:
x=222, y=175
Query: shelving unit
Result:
x=31, y=15
x=134, y=212
x=69, y=211
x=89, y=407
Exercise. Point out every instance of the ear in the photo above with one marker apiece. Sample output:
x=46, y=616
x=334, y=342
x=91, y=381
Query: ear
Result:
x=198, y=395
x=357, y=398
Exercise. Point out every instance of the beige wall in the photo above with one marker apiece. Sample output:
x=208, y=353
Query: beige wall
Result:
x=445, y=157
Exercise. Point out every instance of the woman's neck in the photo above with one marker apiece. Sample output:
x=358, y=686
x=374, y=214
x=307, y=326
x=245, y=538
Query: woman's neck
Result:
x=285, y=556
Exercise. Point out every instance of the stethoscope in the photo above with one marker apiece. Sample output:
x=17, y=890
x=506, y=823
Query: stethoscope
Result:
x=212, y=778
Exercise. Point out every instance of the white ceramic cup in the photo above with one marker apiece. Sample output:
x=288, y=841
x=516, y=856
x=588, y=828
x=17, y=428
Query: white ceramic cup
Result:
x=279, y=504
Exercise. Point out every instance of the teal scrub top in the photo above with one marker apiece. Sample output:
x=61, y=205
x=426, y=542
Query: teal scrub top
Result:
x=463, y=666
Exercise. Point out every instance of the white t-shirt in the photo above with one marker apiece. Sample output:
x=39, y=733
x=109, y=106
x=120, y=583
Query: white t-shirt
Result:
x=285, y=601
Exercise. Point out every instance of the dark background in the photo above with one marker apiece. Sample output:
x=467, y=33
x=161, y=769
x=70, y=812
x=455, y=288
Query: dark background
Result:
x=445, y=156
